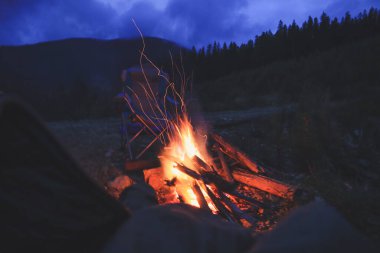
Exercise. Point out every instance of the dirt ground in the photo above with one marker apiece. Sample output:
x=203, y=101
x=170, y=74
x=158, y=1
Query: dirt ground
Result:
x=95, y=143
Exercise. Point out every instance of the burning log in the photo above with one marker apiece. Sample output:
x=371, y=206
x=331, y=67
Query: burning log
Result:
x=226, y=170
x=207, y=178
x=218, y=181
x=220, y=184
x=188, y=172
x=222, y=210
x=200, y=197
x=237, y=211
x=236, y=154
x=201, y=164
x=219, y=206
x=250, y=200
x=135, y=165
x=266, y=184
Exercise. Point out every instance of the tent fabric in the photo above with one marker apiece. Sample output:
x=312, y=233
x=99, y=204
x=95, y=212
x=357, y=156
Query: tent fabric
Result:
x=47, y=202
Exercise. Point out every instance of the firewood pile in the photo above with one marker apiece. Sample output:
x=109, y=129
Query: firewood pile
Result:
x=234, y=187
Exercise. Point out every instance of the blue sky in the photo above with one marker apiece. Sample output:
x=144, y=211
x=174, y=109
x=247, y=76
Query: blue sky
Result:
x=187, y=22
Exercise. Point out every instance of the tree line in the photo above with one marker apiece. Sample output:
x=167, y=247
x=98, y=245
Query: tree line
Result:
x=288, y=41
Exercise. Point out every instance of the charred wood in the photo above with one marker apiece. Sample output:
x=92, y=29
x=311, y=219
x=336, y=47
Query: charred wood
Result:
x=223, y=211
x=248, y=199
x=135, y=165
x=236, y=154
x=189, y=172
x=201, y=164
x=200, y=197
x=224, y=166
x=266, y=184
x=237, y=211
x=207, y=178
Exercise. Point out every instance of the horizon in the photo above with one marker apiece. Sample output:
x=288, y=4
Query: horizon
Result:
x=183, y=24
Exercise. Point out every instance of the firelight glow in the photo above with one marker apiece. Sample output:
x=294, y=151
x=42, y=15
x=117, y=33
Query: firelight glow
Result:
x=183, y=147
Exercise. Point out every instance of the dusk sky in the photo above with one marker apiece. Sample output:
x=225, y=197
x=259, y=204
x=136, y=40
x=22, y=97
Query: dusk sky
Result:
x=187, y=22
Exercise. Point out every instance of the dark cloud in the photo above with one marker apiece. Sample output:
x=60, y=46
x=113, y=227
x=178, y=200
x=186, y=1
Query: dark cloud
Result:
x=27, y=21
x=194, y=22
x=215, y=20
x=188, y=22
x=149, y=19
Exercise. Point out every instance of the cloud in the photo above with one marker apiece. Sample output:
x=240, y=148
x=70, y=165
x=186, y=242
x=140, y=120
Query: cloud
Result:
x=187, y=22
x=268, y=12
x=337, y=9
x=148, y=18
x=205, y=21
x=194, y=22
x=26, y=21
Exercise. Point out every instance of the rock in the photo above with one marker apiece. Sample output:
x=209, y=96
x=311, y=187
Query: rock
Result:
x=119, y=184
x=138, y=196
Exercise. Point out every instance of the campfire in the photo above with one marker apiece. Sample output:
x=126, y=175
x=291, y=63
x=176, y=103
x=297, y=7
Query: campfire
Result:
x=220, y=179
x=201, y=170
x=207, y=172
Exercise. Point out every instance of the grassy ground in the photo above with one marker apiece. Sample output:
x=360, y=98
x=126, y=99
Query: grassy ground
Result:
x=93, y=143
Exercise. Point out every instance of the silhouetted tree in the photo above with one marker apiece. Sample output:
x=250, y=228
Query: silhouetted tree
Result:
x=288, y=41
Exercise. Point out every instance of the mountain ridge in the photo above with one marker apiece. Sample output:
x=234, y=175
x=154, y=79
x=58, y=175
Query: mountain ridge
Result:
x=79, y=70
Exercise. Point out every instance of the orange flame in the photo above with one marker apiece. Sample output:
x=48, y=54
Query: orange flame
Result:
x=182, y=148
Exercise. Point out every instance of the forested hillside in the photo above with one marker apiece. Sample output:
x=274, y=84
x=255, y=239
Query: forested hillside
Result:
x=349, y=72
x=289, y=41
